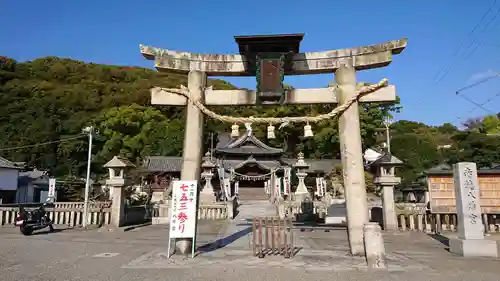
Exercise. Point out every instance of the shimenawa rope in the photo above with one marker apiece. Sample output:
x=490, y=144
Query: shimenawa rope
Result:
x=277, y=120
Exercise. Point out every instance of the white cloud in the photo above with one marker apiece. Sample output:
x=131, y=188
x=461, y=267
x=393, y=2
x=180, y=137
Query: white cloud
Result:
x=482, y=75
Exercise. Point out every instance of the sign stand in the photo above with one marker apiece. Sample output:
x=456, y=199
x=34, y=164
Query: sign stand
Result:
x=183, y=214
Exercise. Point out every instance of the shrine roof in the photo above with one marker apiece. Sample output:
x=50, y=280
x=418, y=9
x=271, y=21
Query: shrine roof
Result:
x=168, y=164
x=162, y=163
x=279, y=43
x=247, y=144
x=264, y=164
x=445, y=169
x=388, y=159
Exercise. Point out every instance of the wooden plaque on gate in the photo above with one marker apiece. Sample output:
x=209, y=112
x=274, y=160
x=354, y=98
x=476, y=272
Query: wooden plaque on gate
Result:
x=270, y=75
x=442, y=194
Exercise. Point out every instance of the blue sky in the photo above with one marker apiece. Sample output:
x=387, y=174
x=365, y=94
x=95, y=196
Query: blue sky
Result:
x=110, y=32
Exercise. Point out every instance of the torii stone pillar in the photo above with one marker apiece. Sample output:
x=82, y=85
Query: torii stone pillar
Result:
x=193, y=140
x=352, y=158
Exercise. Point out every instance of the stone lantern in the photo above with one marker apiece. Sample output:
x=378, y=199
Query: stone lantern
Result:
x=117, y=168
x=301, y=192
x=207, y=194
x=384, y=171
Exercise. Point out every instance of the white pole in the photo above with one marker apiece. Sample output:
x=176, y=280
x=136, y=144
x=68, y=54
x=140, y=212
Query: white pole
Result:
x=87, y=180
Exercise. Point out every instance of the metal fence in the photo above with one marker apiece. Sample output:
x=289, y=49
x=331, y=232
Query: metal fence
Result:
x=272, y=236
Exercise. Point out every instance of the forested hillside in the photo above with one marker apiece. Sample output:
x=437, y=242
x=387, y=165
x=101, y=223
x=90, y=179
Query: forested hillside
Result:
x=52, y=98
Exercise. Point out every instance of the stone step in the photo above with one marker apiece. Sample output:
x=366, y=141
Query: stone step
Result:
x=250, y=193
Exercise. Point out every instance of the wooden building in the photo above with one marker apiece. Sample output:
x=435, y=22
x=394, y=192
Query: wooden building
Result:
x=442, y=191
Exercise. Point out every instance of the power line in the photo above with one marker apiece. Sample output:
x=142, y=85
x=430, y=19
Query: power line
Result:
x=484, y=29
x=446, y=68
x=42, y=143
x=484, y=80
x=480, y=105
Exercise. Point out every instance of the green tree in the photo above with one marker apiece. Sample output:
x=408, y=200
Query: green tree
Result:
x=491, y=124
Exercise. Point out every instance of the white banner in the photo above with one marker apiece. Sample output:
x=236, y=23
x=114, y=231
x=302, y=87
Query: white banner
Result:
x=227, y=188
x=277, y=185
x=266, y=186
x=323, y=186
x=183, y=210
x=51, y=196
x=236, y=187
x=287, y=180
x=318, y=188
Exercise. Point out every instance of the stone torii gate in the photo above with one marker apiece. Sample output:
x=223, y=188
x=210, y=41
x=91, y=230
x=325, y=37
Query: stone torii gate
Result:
x=269, y=58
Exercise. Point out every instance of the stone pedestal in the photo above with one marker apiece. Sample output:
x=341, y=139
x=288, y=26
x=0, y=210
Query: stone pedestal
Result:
x=193, y=140
x=389, y=209
x=157, y=197
x=474, y=247
x=352, y=158
x=374, y=246
x=118, y=206
x=470, y=241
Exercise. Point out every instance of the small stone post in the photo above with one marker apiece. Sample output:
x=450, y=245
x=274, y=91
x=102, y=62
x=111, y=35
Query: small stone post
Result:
x=193, y=140
x=470, y=241
x=301, y=192
x=116, y=181
x=352, y=158
x=374, y=245
x=207, y=193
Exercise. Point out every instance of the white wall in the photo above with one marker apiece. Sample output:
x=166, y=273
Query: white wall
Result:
x=8, y=179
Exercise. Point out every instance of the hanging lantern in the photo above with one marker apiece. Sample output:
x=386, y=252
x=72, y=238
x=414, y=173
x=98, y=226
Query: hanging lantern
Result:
x=308, y=131
x=235, y=131
x=270, y=132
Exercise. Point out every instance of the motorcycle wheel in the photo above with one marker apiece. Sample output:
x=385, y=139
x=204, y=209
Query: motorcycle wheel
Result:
x=26, y=230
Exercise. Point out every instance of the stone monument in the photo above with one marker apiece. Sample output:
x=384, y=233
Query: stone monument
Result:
x=269, y=58
x=470, y=241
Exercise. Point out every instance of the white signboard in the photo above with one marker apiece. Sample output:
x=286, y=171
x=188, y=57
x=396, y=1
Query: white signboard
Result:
x=183, y=210
x=52, y=190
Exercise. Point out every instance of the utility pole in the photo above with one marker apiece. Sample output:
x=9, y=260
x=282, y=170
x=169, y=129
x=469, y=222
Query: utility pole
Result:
x=387, y=123
x=90, y=131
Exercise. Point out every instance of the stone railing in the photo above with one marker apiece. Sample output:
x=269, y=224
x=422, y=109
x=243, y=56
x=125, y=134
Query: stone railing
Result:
x=432, y=223
x=410, y=208
x=294, y=208
x=212, y=211
x=63, y=213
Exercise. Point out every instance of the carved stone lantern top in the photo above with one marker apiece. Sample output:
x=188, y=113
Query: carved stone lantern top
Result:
x=300, y=161
x=116, y=168
x=207, y=162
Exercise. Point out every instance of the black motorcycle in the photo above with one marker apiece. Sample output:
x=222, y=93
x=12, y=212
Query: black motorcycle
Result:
x=29, y=221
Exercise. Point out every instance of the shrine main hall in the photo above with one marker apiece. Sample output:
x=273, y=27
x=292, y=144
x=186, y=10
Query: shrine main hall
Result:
x=249, y=159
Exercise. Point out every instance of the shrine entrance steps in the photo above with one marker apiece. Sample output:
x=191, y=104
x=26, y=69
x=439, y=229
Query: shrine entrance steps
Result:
x=252, y=194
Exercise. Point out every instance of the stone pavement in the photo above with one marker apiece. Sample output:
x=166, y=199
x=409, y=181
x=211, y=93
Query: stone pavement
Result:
x=141, y=255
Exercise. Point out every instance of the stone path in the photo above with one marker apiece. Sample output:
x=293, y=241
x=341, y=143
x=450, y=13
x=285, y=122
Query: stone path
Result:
x=140, y=255
x=238, y=233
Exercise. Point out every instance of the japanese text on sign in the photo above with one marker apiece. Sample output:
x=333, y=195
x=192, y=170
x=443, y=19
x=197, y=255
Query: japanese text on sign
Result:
x=469, y=186
x=183, y=211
